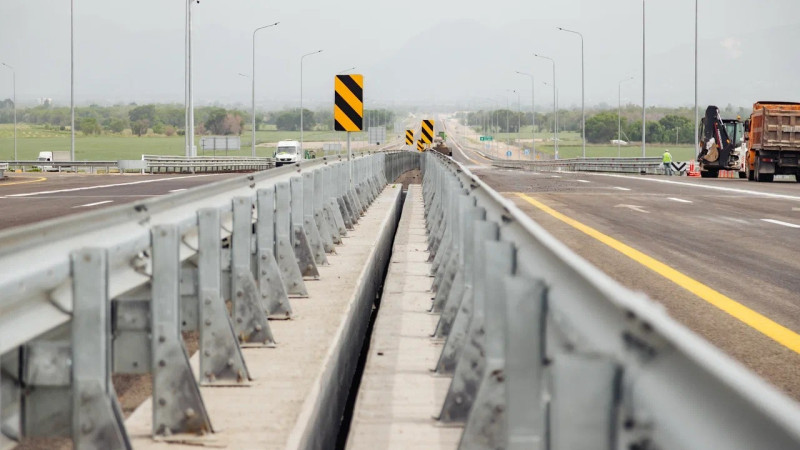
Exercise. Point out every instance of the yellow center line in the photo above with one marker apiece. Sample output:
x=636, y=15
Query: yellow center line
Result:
x=749, y=317
x=23, y=182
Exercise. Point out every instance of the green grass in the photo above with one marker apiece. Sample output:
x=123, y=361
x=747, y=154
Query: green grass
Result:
x=32, y=139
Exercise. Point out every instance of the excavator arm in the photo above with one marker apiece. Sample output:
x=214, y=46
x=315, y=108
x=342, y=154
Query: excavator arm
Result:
x=716, y=145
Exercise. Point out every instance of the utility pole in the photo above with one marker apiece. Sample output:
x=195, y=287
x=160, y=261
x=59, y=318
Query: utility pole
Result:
x=14, y=87
x=253, y=92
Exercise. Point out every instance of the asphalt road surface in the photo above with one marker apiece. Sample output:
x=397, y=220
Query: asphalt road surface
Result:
x=29, y=198
x=721, y=255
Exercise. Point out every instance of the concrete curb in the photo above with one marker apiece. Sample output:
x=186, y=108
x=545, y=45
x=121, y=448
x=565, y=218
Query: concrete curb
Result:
x=318, y=424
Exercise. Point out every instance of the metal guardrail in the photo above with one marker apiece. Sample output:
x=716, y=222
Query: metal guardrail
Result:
x=3, y=167
x=160, y=163
x=622, y=165
x=546, y=351
x=110, y=291
x=72, y=166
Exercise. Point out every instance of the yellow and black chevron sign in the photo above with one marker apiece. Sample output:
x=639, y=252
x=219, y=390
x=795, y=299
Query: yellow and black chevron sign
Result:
x=409, y=137
x=427, y=131
x=348, y=109
x=420, y=145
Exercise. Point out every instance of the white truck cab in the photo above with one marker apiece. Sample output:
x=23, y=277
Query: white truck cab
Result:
x=288, y=152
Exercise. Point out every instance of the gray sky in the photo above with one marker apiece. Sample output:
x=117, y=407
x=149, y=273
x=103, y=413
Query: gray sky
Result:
x=412, y=52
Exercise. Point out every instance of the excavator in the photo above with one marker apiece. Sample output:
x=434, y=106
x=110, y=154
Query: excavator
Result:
x=721, y=144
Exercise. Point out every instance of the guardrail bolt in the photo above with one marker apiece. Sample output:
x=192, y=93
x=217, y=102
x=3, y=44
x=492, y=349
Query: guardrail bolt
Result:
x=258, y=327
x=162, y=339
x=162, y=363
x=189, y=413
x=208, y=322
x=87, y=427
x=230, y=362
x=239, y=293
x=162, y=401
x=207, y=353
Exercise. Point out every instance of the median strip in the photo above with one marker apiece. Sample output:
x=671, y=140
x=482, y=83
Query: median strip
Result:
x=749, y=317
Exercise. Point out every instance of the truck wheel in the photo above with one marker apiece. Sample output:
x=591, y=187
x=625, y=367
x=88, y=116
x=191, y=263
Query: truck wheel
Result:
x=748, y=172
x=742, y=175
x=762, y=177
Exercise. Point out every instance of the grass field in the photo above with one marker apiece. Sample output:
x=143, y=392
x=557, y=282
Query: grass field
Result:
x=33, y=139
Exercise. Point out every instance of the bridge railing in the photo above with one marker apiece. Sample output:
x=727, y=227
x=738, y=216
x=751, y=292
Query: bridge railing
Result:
x=621, y=165
x=110, y=291
x=546, y=351
x=162, y=163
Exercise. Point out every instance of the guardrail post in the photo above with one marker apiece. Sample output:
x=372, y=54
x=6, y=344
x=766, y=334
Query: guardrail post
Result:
x=333, y=213
x=345, y=203
x=524, y=342
x=329, y=235
x=463, y=350
x=177, y=404
x=312, y=215
x=97, y=420
x=221, y=359
x=309, y=252
x=249, y=312
x=584, y=391
x=454, y=256
x=487, y=422
x=463, y=284
x=270, y=283
x=350, y=191
x=287, y=261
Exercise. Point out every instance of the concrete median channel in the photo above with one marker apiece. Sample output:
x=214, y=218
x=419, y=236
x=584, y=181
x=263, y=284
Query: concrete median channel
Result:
x=301, y=388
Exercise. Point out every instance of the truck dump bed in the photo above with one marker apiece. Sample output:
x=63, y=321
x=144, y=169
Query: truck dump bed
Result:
x=775, y=126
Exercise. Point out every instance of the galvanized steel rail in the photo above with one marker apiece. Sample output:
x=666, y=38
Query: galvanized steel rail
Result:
x=546, y=351
x=160, y=163
x=621, y=165
x=110, y=291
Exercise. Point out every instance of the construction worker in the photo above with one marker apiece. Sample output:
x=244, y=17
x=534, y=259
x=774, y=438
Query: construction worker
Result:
x=667, y=160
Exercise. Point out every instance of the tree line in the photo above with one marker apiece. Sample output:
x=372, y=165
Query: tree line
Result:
x=664, y=125
x=169, y=119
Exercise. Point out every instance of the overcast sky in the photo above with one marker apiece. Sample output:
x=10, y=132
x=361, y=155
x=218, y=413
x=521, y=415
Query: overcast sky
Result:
x=412, y=52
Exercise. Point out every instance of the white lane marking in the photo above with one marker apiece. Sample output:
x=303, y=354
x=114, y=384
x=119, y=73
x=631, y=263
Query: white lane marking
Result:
x=94, y=204
x=679, y=200
x=778, y=222
x=555, y=176
x=702, y=186
x=793, y=209
x=178, y=190
x=619, y=188
x=633, y=207
x=583, y=181
x=86, y=188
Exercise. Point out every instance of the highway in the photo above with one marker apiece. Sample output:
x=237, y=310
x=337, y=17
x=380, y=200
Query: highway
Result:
x=719, y=254
x=29, y=198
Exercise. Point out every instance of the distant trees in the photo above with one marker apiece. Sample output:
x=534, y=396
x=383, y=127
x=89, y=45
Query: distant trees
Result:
x=140, y=127
x=601, y=127
x=221, y=122
x=290, y=120
x=89, y=126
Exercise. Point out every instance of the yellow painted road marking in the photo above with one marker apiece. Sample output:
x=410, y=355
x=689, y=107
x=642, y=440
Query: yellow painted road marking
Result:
x=753, y=319
x=24, y=182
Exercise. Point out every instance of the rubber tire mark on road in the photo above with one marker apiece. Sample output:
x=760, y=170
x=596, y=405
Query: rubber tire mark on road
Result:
x=24, y=182
x=749, y=317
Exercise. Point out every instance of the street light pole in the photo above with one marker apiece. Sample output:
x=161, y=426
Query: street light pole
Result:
x=253, y=93
x=301, y=96
x=619, y=115
x=190, y=149
x=14, y=87
x=696, y=111
x=555, y=105
x=644, y=115
x=533, y=114
x=583, y=110
x=72, y=79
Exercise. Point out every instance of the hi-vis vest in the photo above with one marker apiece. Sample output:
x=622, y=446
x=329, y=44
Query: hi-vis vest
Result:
x=667, y=157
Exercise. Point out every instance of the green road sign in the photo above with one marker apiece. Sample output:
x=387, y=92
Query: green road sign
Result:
x=486, y=138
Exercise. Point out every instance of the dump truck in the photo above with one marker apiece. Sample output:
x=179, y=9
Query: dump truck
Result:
x=721, y=144
x=773, y=141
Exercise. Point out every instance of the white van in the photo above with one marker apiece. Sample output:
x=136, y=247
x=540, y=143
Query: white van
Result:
x=288, y=152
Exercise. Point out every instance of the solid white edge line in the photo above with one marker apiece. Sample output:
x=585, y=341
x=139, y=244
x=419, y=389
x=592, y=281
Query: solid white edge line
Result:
x=778, y=222
x=702, y=186
x=94, y=204
x=86, y=188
